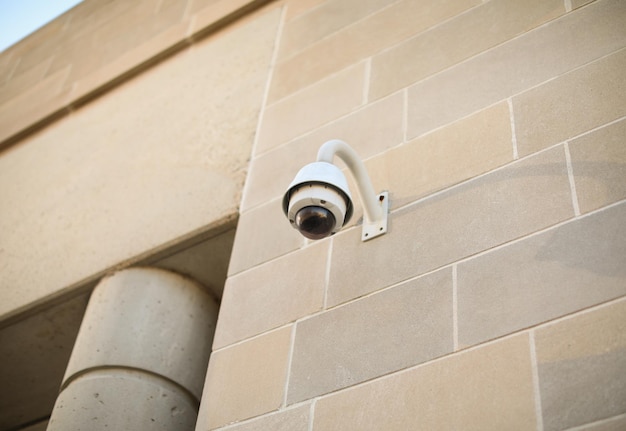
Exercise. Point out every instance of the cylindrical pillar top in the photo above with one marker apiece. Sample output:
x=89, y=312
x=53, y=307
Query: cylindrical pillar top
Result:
x=147, y=319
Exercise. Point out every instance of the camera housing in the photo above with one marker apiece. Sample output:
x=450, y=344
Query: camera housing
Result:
x=318, y=201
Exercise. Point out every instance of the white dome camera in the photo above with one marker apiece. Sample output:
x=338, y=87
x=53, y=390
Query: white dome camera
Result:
x=318, y=202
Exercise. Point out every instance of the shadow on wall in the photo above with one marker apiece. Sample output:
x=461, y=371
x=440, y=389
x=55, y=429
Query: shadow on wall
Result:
x=586, y=245
x=524, y=197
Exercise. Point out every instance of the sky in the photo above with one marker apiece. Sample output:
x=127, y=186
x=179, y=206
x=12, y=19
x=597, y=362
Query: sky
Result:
x=19, y=18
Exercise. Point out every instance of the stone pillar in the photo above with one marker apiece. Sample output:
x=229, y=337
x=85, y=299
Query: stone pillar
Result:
x=140, y=357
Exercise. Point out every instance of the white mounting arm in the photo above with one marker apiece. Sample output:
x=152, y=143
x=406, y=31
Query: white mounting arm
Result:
x=375, y=206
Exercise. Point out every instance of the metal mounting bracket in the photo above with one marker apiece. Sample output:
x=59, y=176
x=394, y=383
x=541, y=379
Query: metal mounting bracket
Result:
x=377, y=227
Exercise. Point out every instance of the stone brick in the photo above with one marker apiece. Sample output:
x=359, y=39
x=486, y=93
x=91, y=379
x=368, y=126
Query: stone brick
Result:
x=165, y=154
x=369, y=131
x=296, y=8
x=249, y=378
x=8, y=62
x=272, y=295
x=134, y=21
x=197, y=5
x=557, y=272
x=125, y=31
x=360, y=40
x=263, y=233
x=578, y=3
x=41, y=44
x=581, y=367
x=312, y=107
x=617, y=423
x=209, y=12
x=78, y=54
x=22, y=82
x=517, y=65
x=271, y=173
x=376, y=335
x=489, y=388
x=169, y=13
x=511, y=202
x=91, y=15
x=87, y=82
x=457, y=152
x=327, y=18
x=43, y=99
x=571, y=104
x=455, y=40
x=599, y=166
x=295, y=419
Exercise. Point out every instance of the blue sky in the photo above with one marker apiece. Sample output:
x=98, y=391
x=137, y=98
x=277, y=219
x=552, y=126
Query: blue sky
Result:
x=19, y=18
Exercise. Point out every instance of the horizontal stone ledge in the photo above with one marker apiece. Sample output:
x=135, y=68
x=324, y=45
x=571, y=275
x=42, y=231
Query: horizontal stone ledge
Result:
x=40, y=113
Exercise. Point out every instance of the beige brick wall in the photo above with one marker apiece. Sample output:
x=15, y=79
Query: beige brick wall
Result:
x=154, y=162
x=497, y=299
x=94, y=46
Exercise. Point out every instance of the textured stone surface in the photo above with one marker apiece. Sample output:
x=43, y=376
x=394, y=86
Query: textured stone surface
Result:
x=95, y=43
x=457, y=152
x=213, y=11
x=181, y=132
x=272, y=295
x=617, y=423
x=206, y=262
x=498, y=207
x=110, y=399
x=517, y=65
x=360, y=40
x=599, y=166
x=148, y=319
x=40, y=100
x=249, y=378
x=456, y=40
x=295, y=419
x=113, y=173
x=328, y=18
x=296, y=8
x=376, y=335
x=24, y=81
x=263, y=233
x=578, y=3
x=484, y=389
x=581, y=367
x=557, y=272
x=312, y=107
x=571, y=104
x=100, y=76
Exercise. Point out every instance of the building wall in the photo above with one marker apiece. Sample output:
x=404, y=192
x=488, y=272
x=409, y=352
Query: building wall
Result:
x=125, y=132
x=156, y=160
x=496, y=301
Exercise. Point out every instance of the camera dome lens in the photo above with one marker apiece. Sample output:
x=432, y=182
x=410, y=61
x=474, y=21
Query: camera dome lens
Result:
x=315, y=222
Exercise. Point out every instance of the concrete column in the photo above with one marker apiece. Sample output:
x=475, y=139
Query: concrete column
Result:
x=140, y=357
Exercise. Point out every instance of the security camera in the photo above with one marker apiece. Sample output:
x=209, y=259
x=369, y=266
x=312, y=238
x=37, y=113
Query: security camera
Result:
x=318, y=201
